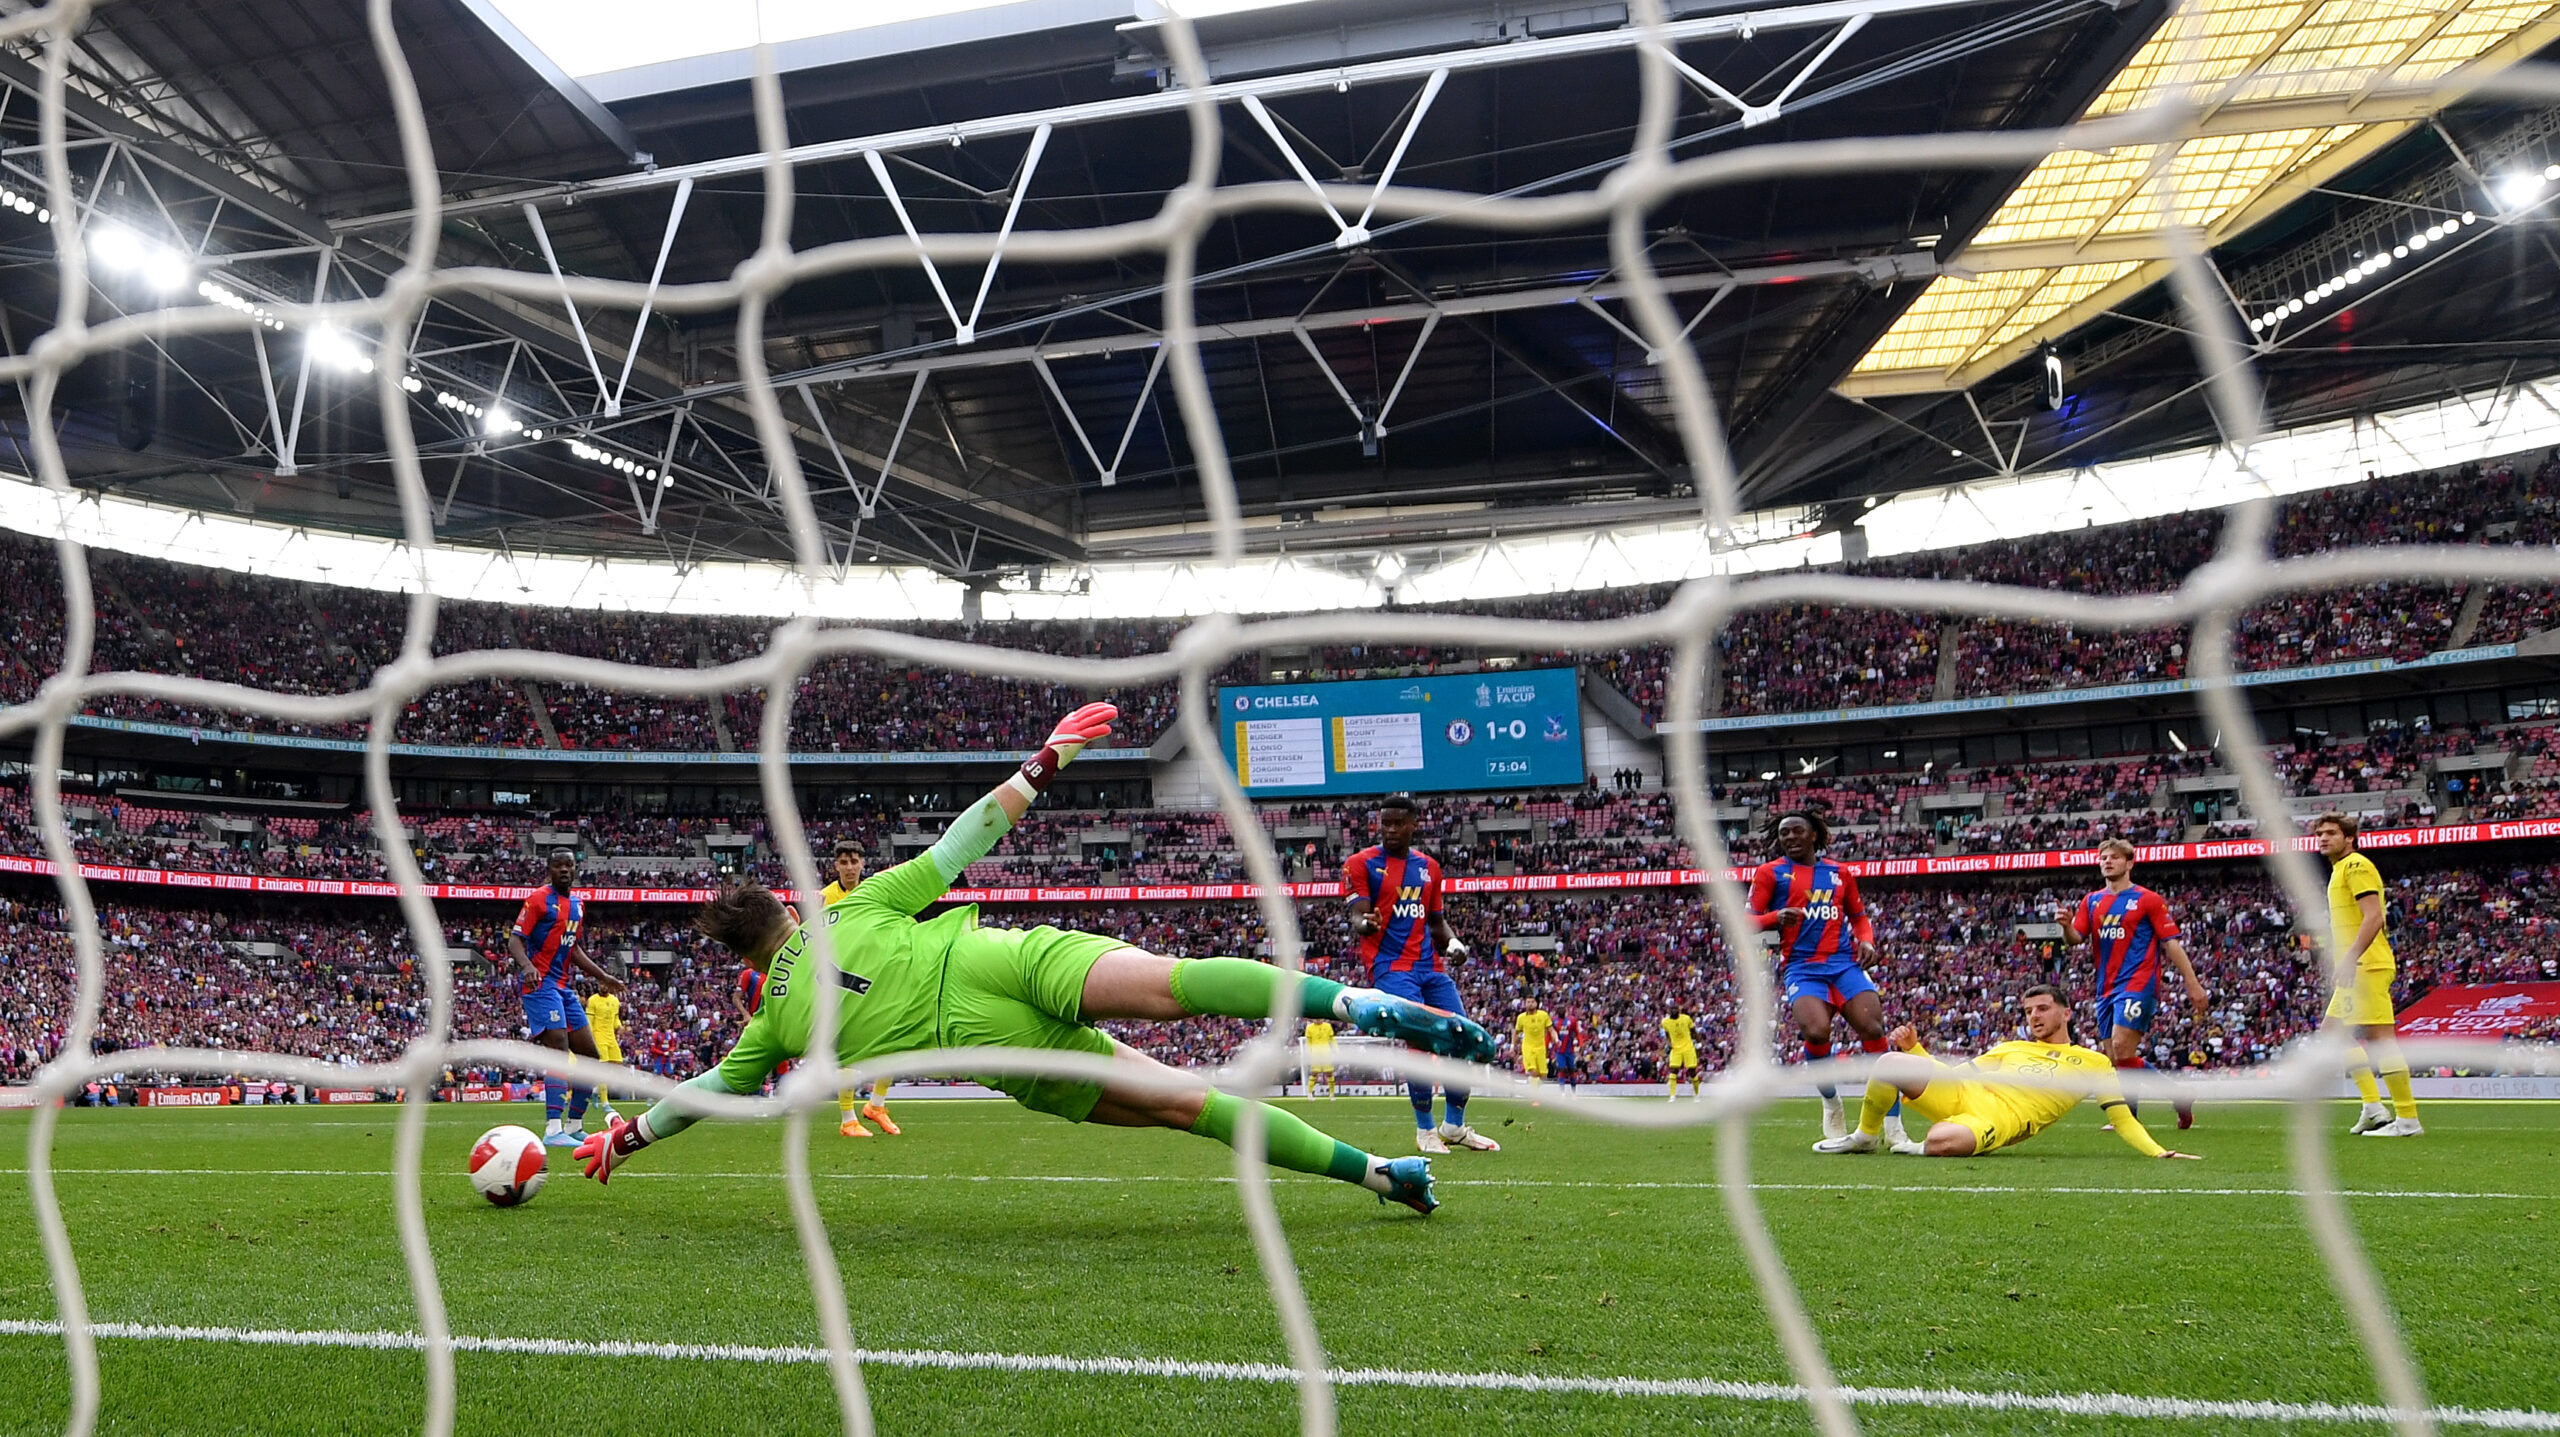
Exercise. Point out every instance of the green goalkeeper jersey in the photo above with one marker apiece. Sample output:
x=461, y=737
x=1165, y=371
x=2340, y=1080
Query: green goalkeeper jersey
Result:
x=887, y=968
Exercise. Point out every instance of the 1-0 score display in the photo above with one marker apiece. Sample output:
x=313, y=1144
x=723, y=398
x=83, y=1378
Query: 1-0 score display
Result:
x=1449, y=731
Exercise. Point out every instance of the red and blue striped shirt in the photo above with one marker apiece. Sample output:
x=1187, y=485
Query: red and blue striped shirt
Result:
x=1835, y=918
x=2125, y=931
x=548, y=923
x=1411, y=899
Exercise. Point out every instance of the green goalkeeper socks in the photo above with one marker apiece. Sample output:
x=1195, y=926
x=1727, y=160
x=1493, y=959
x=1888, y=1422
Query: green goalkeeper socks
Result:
x=1242, y=988
x=1289, y=1142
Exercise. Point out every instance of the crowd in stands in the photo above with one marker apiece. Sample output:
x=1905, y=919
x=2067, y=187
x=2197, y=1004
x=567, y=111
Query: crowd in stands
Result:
x=1987, y=809
x=317, y=639
x=343, y=984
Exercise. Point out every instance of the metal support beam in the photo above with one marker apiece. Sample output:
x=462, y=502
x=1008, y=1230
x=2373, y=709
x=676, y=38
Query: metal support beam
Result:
x=657, y=272
x=1821, y=14
x=302, y=379
x=542, y=237
x=1350, y=233
x=1110, y=472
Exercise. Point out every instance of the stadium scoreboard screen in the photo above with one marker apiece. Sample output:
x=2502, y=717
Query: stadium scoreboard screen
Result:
x=1513, y=729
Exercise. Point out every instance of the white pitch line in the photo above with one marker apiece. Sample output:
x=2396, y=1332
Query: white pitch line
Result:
x=2071, y=1404
x=1142, y=1178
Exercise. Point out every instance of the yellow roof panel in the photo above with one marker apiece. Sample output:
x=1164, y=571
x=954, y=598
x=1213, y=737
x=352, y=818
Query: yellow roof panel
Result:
x=2216, y=54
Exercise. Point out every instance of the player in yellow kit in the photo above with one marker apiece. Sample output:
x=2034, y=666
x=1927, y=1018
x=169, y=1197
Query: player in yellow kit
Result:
x=604, y=1021
x=1682, y=1032
x=848, y=877
x=2364, y=968
x=1969, y=1114
x=1532, y=1027
x=1320, y=1059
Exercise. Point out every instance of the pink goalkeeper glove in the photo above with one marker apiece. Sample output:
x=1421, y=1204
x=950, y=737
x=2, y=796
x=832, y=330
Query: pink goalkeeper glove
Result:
x=603, y=1152
x=1089, y=724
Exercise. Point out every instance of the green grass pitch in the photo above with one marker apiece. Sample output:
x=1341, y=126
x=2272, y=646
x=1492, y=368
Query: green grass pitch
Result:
x=2068, y=1266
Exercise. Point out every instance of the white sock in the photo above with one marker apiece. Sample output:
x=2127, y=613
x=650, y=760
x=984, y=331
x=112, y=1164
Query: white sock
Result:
x=1376, y=1179
x=551, y=1128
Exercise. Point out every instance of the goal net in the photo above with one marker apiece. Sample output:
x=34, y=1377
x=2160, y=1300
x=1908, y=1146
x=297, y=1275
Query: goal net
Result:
x=2226, y=335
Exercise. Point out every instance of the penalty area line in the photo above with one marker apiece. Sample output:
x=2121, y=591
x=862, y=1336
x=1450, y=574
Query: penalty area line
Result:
x=2070, y=1404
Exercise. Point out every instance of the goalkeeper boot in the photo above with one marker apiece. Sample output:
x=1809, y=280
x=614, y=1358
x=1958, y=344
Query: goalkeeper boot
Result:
x=1428, y=1140
x=1433, y=1030
x=2398, y=1128
x=879, y=1117
x=1409, y=1182
x=1835, y=1121
x=1852, y=1141
x=1896, y=1140
x=2373, y=1116
x=1464, y=1135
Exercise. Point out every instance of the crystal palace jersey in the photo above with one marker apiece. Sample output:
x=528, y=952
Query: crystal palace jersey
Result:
x=2125, y=931
x=1405, y=895
x=1835, y=918
x=548, y=923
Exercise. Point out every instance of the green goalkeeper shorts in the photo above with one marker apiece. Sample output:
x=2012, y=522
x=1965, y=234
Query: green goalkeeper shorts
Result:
x=1022, y=988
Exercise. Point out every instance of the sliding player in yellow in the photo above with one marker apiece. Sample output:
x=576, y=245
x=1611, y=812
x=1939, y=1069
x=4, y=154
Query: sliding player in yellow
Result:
x=1970, y=1113
x=2362, y=996
x=1683, y=1056
x=604, y=1023
x=849, y=877
x=1320, y=1059
x=1533, y=1027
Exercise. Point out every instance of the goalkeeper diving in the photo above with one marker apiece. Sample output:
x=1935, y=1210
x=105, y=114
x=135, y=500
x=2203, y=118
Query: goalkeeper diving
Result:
x=905, y=985
x=1971, y=1113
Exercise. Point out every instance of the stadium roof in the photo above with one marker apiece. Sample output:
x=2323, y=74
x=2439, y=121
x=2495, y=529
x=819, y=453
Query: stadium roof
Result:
x=1377, y=383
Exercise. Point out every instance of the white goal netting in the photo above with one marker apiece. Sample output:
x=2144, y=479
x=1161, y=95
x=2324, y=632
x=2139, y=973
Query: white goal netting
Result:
x=2246, y=572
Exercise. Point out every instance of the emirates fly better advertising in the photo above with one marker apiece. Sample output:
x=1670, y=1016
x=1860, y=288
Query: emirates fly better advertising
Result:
x=1511, y=729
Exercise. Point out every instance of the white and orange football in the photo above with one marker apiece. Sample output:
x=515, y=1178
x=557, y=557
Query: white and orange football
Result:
x=508, y=1165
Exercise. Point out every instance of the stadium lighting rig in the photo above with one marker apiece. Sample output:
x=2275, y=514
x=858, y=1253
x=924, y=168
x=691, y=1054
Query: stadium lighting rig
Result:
x=119, y=250
x=619, y=463
x=222, y=294
x=2362, y=270
x=493, y=419
x=23, y=204
x=339, y=350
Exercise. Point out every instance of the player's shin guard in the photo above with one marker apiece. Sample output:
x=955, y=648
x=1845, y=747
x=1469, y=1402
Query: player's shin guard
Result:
x=578, y=1103
x=1454, y=1102
x=1242, y=988
x=1289, y=1142
x=2134, y=1105
x=1421, y=1095
x=1815, y=1050
x=1882, y=1098
x=1878, y=1045
x=555, y=1091
x=2395, y=1076
x=2360, y=1069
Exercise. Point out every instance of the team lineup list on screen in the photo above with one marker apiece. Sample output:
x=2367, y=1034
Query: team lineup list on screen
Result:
x=1507, y=729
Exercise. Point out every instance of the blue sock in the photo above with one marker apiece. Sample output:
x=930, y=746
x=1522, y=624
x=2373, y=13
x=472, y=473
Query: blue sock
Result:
x=578, y=1102
x=1421, y=1095
x=553, y=1090
x=1457, y=1104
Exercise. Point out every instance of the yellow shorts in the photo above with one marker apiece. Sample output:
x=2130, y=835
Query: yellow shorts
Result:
x=2366, y=1002
x=1973, y=1106
x=609, y=1050
x=1533, y=1061
x=1320, y=1060
x=1684, y=1057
